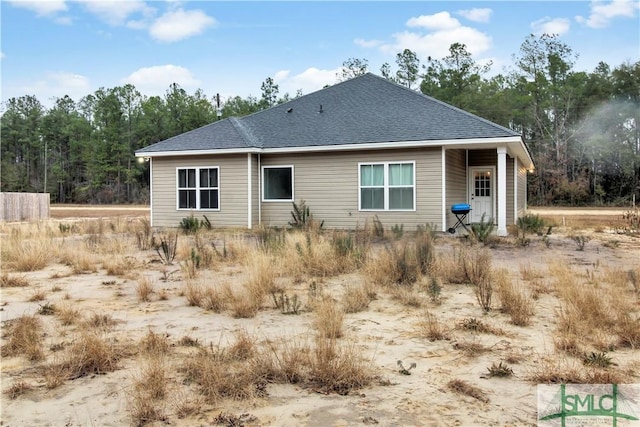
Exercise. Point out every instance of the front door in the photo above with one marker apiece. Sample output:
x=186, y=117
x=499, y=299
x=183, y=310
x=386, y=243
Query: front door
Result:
x=481, y=186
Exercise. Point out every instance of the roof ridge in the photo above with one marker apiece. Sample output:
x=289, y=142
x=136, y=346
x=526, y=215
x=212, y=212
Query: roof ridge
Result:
x=244, y=131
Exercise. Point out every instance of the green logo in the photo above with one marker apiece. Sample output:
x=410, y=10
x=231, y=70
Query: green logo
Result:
x=592, y=404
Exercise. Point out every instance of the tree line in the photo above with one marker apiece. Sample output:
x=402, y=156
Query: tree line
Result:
x=582, y=128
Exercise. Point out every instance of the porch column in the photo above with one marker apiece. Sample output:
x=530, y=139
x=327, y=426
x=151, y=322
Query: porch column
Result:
x=502, y=191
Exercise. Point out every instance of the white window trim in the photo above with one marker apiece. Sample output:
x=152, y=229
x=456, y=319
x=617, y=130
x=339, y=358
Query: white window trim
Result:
x=264, y=182
x=387, y=186
x=197, y=188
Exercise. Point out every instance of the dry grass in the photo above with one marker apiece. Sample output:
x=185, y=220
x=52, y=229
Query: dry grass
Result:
x=328, y=318
x=356, y=298
x=214, y=299
x=17, y=389
x=403, y=262
x=27, y=255
x=91, y=354
x=144, y=289
x=193, y=292
x=13, y=281
x=24, y=338
x=100, y=321
x=432, y=329
x=67, y=315
x=527, y=272
x=121, y=266
x=154, y=344
x=557, y=370
x=37, y=295
x=466, y=389
x=514, y=300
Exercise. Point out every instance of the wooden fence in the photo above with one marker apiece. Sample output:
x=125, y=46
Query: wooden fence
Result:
x=24, y=206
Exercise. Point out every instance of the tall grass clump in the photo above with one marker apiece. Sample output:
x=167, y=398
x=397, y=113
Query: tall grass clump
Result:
x=328, y=318
x=26, y=255
x=356, y=298
x=514, y=300
x=403, y=262
x=225, y=373
x=13, y=281
x=144, y=289
x=24, y=338
x=91, y=354
x=477, y=269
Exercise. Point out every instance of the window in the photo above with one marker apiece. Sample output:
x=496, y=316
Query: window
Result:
x=387, y=186
x=198, y=188
x=277, y=183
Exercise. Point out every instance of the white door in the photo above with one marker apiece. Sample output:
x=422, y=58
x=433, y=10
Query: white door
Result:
x=481, y=186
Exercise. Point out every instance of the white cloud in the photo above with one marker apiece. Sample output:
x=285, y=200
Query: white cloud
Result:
x=476, y=14
x=2, y=55
x=438, y=21
x=603, y=13
x=156, y=80
x=41, y=7
x=57, y=85
x=550, y=26
x=180, y=24
x=367, y=43
x=310, y=80
x=432, y=35
x=436, y=44
x=116, y=12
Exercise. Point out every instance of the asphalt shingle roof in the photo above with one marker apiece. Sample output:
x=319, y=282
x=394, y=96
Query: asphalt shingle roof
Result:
x=365, y=109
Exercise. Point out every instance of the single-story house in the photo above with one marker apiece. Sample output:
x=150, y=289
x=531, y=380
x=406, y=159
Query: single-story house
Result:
x=362, y=147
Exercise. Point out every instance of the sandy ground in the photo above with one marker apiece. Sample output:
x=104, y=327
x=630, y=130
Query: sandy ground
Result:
x=386, y=332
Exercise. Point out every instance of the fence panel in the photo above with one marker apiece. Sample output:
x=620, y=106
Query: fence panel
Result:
x=24, y=206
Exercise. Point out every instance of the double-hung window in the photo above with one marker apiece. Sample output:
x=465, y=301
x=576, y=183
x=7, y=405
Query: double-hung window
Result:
x=277, y=183
x=199, y=188
x=387, y=186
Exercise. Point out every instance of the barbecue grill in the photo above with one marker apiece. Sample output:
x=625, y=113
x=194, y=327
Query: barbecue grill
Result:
x=460, y=210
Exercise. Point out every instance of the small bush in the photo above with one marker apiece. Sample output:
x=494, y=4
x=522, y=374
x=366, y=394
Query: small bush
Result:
x=167, y=248
x=480, y=231
x=499, y=370
x=144, y=235
x=302, y=219
x=91, y=354
x=191, y=224
x=515, y=301
x=357, y=298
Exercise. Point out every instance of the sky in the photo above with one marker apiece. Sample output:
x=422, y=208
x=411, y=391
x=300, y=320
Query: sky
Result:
x=52, y=48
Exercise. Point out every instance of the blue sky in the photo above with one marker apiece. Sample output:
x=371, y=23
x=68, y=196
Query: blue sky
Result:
x=50, y=48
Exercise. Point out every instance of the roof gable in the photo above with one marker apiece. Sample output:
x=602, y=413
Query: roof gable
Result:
x=363, y=110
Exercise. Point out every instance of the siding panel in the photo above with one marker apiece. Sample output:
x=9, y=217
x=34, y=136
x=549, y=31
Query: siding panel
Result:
x=328, y=182
x=233, y=190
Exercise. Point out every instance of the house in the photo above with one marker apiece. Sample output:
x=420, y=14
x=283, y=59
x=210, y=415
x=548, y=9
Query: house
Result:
x=360, y=148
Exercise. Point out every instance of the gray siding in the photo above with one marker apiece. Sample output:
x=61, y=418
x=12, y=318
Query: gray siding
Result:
x=233, y=190
x=456, y=181
x=328, y=182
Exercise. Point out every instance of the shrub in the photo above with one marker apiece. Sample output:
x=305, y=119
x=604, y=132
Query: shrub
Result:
x=144, y=235
x=357, y=298
x=499, y=370
x=432, y=329
x=480, y=231
x=167, y=248
x=191, y=224
x=328, y=318
x=144, y=289
x=302, y=219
